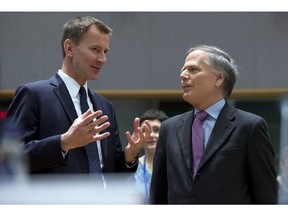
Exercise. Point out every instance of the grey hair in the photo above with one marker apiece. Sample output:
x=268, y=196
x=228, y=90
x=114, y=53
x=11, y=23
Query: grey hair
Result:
x=220, y=61
x=77, y=26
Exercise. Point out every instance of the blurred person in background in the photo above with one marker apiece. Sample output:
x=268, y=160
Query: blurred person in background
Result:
x=145, y=167
x=282, y=178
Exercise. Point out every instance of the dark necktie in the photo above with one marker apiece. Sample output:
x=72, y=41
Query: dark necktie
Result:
x=198, y=139
x=91, y=148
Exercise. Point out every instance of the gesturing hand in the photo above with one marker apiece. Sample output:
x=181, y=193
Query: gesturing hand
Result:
x=84, y=130
x=136, y=140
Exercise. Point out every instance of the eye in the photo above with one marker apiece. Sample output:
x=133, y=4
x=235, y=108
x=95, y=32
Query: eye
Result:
x=155, y=129
x=192, y=69
x=99, y=50
x=96, y=49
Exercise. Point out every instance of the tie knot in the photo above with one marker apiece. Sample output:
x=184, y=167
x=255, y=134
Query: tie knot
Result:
x=82, y=91
x=201, y=115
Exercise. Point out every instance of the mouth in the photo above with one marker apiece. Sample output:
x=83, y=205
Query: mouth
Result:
x=186, y=87
x=151, y=142
x=96, y=67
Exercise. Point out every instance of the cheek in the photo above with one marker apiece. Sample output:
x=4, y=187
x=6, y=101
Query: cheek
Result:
x=80, y=60
x=157, y=135
x=199, y=82
x=208, y=84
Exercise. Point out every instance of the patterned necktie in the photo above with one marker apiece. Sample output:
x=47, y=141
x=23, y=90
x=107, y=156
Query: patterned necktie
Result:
x=198, y=139
x=91, y=148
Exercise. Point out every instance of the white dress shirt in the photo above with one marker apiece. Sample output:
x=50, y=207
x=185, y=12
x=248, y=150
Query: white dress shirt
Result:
x=73, y=88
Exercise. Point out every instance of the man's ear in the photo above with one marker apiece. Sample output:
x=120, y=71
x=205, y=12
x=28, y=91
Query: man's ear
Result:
x=219, y=79
x=68, y=47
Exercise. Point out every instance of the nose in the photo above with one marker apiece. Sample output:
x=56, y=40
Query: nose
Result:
x=184, y=75
x=101, y=57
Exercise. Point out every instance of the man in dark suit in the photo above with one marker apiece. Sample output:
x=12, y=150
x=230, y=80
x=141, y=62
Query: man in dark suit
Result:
x=237, y=164
x=54, y=129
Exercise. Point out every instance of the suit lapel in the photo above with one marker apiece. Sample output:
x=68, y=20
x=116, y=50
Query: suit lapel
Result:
x=64, y=97
x=183, y=131
x=223, y=128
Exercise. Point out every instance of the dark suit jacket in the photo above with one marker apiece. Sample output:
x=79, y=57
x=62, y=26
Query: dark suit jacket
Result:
x=44, y=110
x=237, y=166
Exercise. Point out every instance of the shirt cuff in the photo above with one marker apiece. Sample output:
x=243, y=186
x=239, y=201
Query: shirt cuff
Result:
x=131, y=164
x=64, y=153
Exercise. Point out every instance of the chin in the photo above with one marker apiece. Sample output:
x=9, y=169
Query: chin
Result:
x=186, y=96
x=187, y=99
x=151, y=148
x=93, y=77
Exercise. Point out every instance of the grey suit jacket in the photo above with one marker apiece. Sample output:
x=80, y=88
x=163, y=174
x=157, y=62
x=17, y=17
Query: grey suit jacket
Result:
x=237, y=166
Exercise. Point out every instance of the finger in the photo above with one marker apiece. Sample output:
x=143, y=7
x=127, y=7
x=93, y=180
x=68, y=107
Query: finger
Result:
x=101, y=136
x=146, y=128
x=88, y=119
x=141, y=135
x=129, y=137
x=136, y=123
x=148, y=125
x=98, y=122
x=86, y=114
x=96, y=130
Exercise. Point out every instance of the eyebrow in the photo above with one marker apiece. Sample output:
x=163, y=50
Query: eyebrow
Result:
x=99, y=46
x=188, y=66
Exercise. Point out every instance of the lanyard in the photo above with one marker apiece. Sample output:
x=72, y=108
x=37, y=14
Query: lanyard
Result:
x=145, y=181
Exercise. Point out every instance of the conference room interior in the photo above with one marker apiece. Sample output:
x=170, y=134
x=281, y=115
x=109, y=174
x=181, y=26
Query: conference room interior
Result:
x=147, y=52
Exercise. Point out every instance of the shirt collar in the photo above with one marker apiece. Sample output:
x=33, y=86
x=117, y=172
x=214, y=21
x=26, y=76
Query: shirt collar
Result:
x=72, y=86
x=215, y=109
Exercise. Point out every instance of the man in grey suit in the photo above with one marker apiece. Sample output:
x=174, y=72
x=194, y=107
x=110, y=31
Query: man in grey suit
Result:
x=237, y=165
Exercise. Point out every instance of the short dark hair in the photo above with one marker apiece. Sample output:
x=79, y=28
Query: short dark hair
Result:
x=77, y=26
x=153, y=114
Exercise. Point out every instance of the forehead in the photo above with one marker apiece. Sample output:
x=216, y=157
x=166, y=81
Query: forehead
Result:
x=197, y=56
x=153, y=122
x=93, y=34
